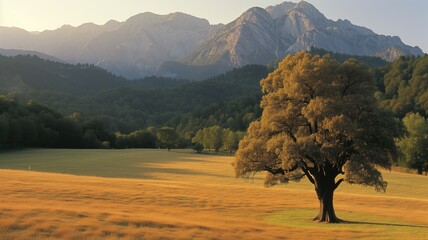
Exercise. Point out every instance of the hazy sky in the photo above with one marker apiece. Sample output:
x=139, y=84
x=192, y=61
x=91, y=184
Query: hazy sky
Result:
x=405, y=18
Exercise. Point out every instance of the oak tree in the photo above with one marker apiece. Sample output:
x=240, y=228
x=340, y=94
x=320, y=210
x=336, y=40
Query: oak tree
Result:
x=321, y=121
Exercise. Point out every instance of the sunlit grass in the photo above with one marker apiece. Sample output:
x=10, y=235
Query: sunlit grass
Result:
x=373, y=225
x=156, y=194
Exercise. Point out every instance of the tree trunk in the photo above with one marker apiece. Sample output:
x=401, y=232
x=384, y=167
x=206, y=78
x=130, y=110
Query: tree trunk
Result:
x=325, y=191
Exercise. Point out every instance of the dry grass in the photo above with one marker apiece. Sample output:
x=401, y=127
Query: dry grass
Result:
x=180, y=195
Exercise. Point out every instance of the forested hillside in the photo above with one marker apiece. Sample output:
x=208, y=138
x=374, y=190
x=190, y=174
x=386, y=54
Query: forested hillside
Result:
x=23, y=73
x=230, y=100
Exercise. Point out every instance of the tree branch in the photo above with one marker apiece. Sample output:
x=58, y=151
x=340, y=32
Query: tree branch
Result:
x=311, y=90
x=280, y=170
x=310, y=128
x=308, y=175
x=338, y=183
x=347, y=84
x=310, y=160
x=275, y=171
x=293, y=168
x=306, y=170
x=288, y=131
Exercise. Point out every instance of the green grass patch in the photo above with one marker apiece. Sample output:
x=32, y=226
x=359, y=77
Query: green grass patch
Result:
x=375, y=226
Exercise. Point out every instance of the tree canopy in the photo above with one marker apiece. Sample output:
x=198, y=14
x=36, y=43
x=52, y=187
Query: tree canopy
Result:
x=216, y=137
x=167, y=137
x=320, y=120
x=414, y=146
x=406, y=86
x=33, y=125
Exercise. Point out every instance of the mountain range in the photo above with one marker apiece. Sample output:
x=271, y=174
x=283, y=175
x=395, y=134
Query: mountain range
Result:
x=183, y=46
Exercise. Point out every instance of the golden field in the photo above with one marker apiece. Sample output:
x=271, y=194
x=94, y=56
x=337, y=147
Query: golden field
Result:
x=155, y=194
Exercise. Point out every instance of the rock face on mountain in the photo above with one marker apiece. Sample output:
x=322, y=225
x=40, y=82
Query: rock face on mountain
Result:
x=261, y=35
x=248, y=40
x=143, y=44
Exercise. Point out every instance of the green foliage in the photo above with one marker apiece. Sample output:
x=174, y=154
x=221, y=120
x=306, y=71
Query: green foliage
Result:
x=414, y=146
x=167, y=137
x=406, y=86
x=198, y=147
x=33, y=125
x=30, y=73
x=22, y=73
x=230, y=100
x=216, y=137
x=136, y=139
x=374, y=62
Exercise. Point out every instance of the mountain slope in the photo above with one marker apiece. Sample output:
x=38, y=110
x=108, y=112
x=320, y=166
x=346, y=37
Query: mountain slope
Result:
x=134, y=48
x=168, y=45
x=259, y=36
x=145, y=41
x=247, y=40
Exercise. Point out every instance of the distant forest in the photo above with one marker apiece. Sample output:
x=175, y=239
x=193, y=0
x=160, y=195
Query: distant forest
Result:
x=103, y=106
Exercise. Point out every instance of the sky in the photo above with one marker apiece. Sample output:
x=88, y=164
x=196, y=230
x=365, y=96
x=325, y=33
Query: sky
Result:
x=407, y=19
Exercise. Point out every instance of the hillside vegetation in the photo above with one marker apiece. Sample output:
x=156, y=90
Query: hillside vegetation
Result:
x=23, y=73
x=157, y=101
x=405, y=86
x=32, y=125
x=230, y=100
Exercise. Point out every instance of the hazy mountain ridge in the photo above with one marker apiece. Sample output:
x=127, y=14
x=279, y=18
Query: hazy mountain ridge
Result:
x=16, y=52
x=141, y=45
x=134, y=48
x=24, y=73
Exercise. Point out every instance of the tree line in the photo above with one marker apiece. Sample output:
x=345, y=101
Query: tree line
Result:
x=215, y=138
x=230, y=100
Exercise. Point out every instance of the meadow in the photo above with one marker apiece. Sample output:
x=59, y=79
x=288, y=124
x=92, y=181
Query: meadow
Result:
x=156, y=194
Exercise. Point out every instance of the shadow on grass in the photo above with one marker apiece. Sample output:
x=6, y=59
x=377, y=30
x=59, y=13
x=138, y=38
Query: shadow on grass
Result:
x=129, y=163
x=11, y=150
x=382, y=224
x=214, y=153
x=148, y=172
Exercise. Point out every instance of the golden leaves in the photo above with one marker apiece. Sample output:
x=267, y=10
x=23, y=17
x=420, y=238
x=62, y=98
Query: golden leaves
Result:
x=318, y=112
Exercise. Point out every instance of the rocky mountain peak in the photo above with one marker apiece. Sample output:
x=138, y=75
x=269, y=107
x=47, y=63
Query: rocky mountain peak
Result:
x=186, y=20
x=143, y=19
x=281, y=9
x=262, y=35
x=309, y=10
x=254, y=15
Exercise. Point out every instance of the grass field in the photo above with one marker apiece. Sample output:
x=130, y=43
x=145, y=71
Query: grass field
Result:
x=156, y=194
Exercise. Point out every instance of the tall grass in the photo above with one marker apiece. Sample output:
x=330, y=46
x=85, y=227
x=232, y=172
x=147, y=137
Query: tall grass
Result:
x=155, y=194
